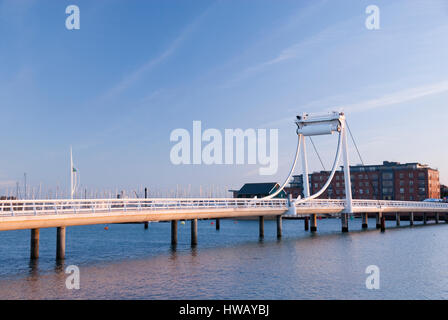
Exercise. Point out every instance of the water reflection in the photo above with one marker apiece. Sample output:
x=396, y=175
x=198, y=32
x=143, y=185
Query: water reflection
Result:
x=235, y=264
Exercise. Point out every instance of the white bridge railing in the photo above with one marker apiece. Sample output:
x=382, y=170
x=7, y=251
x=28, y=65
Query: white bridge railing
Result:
x=370, y=204
x=56, y=207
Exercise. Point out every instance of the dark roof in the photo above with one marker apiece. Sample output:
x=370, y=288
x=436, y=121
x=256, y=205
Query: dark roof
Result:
x=258, y=188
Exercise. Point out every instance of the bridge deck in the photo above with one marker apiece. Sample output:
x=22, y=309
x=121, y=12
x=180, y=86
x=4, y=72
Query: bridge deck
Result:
x=31, y=214
x=369, y=206
x=34, y=214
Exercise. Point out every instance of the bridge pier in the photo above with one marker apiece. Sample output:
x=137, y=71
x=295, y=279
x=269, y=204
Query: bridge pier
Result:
x=146, y=225
x=194, y=232
x=35, y=235
x=173, y=232
x=383, y=223
x=397, y=217
x=261, y=226
x=344, y=222
x=279, y=226
x=313, y=222
x=217, y=222
x=378, y=220
x=306, y=222
x=411, y=218
x=365, y=219
x=60, y=243
x=437, y=217
x=424, y=218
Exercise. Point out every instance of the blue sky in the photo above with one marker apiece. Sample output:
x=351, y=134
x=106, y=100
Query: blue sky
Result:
x=136, y=70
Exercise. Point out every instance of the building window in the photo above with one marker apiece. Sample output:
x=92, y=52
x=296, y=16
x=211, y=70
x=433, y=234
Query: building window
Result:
x=387, y=175
x=411, y=175
x=401, y=190
x=387, y=183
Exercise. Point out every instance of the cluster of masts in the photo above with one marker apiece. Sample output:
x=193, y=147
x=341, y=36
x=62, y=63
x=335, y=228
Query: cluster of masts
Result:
x=42, y=192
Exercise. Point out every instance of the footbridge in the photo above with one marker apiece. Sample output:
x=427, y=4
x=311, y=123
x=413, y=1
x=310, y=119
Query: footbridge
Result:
x=35, y=214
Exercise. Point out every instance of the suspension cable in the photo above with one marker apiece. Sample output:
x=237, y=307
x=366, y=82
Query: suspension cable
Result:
x=290, y=172
x=330, y=178
x=359, y=155
x=318, y=155
x=354, y=142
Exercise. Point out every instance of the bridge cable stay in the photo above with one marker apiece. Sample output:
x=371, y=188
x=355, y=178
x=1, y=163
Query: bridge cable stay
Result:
x=317, y=153
x=354, y=142
x=359, y=154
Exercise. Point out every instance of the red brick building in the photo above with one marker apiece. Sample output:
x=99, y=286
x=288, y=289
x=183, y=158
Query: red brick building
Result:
x=389, y=181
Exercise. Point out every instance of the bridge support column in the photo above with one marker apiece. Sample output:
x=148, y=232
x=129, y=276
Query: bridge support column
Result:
x=173, y=232
x=34, y=254
x=378, y=220
x=344, y=222
x=306, y=222
x=411, y=219
x=261, y=226
x=437, y=217
x=425, y=218
x=194, y=232
x=217, y=224
x=313, y=223
x=383, y=223
x=146, y=225
x=397, y=217
x=279, y=226
x=60, y=243
x=365, y=219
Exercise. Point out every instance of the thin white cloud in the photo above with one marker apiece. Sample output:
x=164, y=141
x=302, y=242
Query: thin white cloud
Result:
x=299, y=49
x=396, y=98
x=129, y=79
x=391, y=99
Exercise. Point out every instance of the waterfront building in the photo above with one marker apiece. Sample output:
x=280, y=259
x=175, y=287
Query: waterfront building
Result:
x=387, y=181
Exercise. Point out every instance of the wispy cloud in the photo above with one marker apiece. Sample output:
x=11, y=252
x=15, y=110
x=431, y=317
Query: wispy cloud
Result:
x=294, y=51
x=133, y=77
x=396, y=98
x=299, y=49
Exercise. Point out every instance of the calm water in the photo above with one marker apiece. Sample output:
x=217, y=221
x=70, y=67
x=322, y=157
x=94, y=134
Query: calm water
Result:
x=128, y=262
